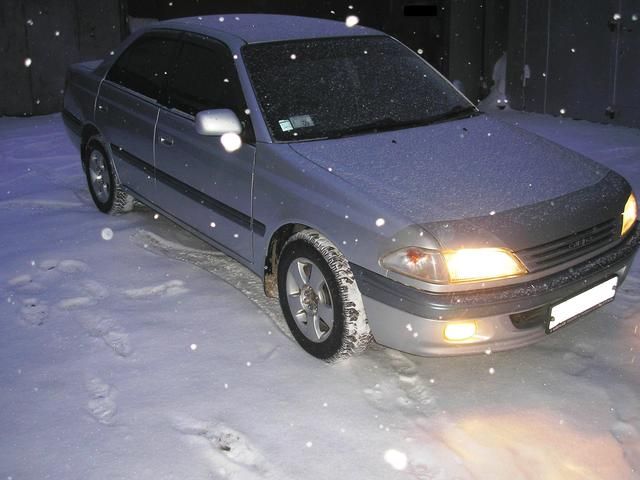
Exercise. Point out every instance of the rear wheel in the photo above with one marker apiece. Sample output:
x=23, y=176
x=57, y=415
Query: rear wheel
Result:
x=320, y=299
x=106, y=191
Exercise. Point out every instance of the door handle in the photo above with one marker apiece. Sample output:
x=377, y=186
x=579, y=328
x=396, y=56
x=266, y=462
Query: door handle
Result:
x=166, y=141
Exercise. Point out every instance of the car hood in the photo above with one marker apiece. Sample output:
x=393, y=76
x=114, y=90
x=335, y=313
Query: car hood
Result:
x=455, y=170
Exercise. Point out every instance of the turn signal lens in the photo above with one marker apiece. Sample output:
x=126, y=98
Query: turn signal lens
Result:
x=457, y=332
x=630, y=214
x=469, y=264
x=416, y=262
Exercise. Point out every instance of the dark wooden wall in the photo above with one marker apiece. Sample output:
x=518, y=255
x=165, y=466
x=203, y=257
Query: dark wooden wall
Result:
x=582, y=60
x=53, y=34
x=461, y=38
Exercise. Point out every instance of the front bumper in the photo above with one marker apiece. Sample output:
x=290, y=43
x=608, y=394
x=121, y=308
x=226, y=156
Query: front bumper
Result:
x=413, y=320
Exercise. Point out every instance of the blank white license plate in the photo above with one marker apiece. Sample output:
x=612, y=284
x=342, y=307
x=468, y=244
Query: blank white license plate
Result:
x=582, y=303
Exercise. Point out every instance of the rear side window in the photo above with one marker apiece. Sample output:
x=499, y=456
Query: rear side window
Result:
x=205, y=78
x=144, y=66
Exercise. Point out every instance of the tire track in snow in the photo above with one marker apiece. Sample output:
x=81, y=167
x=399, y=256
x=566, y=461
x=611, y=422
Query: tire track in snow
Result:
x=222, y=266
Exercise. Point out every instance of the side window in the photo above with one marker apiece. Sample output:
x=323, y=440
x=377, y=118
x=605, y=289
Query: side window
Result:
x=205, y=78
x=144, y=66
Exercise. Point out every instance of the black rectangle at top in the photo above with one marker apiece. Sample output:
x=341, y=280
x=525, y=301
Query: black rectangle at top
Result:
x=421, y=10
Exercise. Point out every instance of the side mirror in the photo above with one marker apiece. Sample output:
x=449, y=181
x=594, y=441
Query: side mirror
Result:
x=217, y=122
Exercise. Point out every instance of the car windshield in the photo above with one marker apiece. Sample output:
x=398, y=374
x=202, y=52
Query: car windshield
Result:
x=335, y=87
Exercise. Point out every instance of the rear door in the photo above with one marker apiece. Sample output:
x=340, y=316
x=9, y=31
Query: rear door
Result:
x=127, y=107
x=198, y=181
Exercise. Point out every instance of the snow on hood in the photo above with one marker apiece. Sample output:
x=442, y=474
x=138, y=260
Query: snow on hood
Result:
x=454, y=170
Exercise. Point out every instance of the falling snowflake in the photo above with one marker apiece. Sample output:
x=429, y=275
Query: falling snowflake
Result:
x=420, y=51
x=351, y=21
x=193, y=346
x=396, y=459
x=212, y=224
x=106, y=233
x=562, y=111
x=380, y=222
x=27, y=62
x=221, y=19
x=309, y=444
x=231, y=142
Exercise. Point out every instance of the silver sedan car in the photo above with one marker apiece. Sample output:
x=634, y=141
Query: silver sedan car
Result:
x=370, y=195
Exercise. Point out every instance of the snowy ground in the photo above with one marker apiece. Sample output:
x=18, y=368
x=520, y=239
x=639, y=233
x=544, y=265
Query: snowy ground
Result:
x=148, y=356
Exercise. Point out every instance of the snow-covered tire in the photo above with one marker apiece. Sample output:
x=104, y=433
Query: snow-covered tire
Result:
x=104, y=186
x=312, y=269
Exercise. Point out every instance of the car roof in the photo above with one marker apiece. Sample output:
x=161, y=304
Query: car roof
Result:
x=257, y=28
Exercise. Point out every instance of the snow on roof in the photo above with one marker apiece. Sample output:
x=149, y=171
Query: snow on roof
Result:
x=256, y=28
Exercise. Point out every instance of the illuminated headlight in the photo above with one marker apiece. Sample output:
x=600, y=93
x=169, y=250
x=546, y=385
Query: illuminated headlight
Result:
x=630, y=214
x=465, y=265
x=469, y=264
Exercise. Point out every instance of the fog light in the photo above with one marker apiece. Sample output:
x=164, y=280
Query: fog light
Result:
x=457, y=332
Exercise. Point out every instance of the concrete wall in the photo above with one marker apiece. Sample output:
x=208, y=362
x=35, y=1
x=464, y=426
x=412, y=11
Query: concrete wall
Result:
x=577, y=59
x=52, y=34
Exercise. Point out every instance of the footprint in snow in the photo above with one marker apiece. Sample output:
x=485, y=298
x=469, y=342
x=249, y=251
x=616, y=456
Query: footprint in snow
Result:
x=169, y=289
x=578, y=360
x=25, y=284
x=231, y=452
x=94, y=293
x=101, y=405
x=34, y=311
x=398, y=383
x=64, y=266
x=105, y=329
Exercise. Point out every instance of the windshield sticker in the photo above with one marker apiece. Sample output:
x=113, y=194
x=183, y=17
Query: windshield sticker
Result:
x=301, y=121
x=285, y=125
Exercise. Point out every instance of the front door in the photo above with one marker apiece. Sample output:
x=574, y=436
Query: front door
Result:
x=197, y=180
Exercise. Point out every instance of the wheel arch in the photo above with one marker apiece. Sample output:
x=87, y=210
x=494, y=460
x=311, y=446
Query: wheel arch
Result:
x=274, y=248
x=88, y=131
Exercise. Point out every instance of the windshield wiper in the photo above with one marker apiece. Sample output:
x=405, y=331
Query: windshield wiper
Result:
x=387, y=123
x=380, y=125
x=459, y=111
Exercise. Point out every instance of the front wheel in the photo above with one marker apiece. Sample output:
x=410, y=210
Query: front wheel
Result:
x=106, y=191
x=320, y=299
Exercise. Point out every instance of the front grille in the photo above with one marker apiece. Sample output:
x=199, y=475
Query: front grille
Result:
x=570, y=247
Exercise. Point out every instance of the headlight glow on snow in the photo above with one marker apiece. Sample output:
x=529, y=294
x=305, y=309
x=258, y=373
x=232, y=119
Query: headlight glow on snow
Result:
x=630, y=214
x=469, y=264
